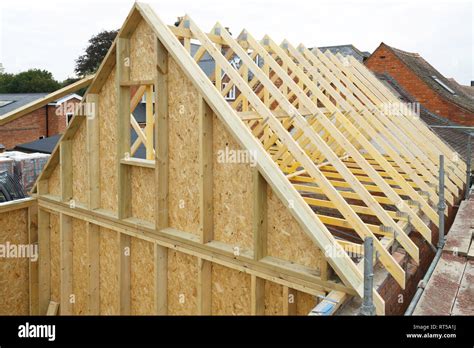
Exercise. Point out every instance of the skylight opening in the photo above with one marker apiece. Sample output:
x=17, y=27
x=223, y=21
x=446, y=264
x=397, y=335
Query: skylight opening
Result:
x=442, y=84
x=5, y=102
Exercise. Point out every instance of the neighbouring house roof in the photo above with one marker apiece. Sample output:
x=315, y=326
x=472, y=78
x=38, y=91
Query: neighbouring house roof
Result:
x=433, y=78
x=65, y=99
x=457, y=139
x=40, y=100
x=346, y=50
x=469, y=90
x=13, y=101
x=45, y=145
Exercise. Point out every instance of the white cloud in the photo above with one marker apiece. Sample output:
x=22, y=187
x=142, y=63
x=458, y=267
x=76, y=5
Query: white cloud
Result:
x=51, y=34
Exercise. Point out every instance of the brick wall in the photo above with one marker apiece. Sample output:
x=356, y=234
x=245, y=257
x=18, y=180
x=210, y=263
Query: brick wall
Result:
x=24, y=129
x=32, y=126
x=383, y=60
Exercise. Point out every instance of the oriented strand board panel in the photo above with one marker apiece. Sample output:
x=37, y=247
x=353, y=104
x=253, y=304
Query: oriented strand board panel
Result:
x=183, y=151
x=142, y=281
x=79, y=165
x=108, y=268
x=233, y=209
x=230, y=291
x=14, y=297
x=80, y=266
x=273, y=298
x=286, y=238
x=55, y=249
x=143, y=193
x=305, y=303
x=142, y=47
x=108, y=143
x=54, y=182
x=182, y=283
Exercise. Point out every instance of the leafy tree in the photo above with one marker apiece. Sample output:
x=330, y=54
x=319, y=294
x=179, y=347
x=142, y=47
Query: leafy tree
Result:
x=99, y=44
x=30, y=81
x=5, y=80
x=71, y=80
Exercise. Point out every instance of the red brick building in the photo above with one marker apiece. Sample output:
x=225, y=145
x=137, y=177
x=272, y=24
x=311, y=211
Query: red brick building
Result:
x=42, y=122
x=428, y=86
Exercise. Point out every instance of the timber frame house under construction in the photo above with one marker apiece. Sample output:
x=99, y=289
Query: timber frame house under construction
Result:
x=181, y=232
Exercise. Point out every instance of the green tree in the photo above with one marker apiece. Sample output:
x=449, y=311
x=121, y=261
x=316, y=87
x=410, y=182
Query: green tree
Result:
x=5, y=80
x=99, y=44
x=30, y=81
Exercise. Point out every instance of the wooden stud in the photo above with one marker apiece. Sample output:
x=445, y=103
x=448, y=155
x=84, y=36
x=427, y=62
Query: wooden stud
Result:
x=93, y=247
x=257, y=296
x=150, y=155
x=260, y=215
x=124, y=274
x=206, y=181
x=161, y=280
x=123, y=127
x=161, y=136
x=289, y=301
x=65, y=169
x=65, y=238
x=44, y=260
x=204, y=287
x=33, y=265
x=93, y=155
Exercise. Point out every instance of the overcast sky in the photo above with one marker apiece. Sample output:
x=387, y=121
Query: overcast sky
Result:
x=51, y=34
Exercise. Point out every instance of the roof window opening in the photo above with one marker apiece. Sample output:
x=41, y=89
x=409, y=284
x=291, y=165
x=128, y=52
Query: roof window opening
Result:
x=442, y=84
x=5, y=102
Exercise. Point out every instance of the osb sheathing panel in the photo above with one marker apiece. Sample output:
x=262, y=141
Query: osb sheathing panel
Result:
x=79, y=267
x=108, y=143
x=304, y=303
x=108, y=268
x=143, y=193
x=54, y=246
x=14, y=293
x=273, y=298
x=142, y=280
x=286, y=238
x=183, y=151
x=182, y=283
x=233, y=209
x=54, y=183
x=79, y=165
x=142, y=50
x=230, y=291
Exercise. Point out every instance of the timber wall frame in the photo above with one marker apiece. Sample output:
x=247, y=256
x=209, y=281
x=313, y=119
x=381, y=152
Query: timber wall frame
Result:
x=340, y=165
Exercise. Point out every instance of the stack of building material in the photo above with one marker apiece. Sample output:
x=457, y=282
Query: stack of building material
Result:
x=6, y=165
x=25, y=167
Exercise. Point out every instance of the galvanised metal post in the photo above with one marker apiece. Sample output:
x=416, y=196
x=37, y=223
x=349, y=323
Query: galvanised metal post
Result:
x=441, y=204
x=368, y=307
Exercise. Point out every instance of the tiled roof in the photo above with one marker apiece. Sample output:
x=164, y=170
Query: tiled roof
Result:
x=426, y=71
x=17, y=100
x=346, y=50
x=457, y=139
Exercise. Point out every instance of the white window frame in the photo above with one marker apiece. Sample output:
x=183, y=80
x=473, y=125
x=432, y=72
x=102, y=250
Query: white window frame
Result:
x=232, y=92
